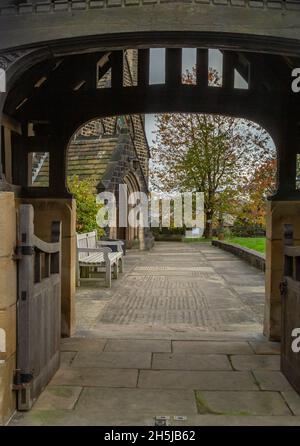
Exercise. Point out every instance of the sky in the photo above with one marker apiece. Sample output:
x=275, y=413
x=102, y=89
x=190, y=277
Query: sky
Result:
x=157, y=75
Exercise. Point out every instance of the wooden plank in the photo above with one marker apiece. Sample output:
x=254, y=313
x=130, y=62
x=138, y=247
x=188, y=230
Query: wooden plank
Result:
x=44, y=246
x=117, y=61
x=202, y=68
x=11, y=124
x=292, y=251
x=25, y=295
x=173, y=67
x=39, y=308
x=228, y=70
x=143, y=67
x=290, y=360
x=8, y=154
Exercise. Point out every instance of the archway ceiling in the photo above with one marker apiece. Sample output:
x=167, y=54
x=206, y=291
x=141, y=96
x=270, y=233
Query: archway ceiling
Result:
x=48, y=90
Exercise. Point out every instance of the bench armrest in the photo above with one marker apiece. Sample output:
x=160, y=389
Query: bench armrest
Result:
x=118, y=243
x=103, y=249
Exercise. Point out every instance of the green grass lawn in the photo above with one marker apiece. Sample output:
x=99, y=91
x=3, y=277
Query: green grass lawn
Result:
x=256, y=243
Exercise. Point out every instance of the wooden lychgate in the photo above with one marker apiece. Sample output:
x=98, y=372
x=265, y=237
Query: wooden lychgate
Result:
x=39, y=309
x=290, y=292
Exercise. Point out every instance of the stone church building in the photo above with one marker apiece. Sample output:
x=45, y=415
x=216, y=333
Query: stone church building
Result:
x=111, y=151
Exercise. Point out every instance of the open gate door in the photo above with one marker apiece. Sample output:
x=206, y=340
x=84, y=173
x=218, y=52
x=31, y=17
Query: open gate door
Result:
x=290, y=292
x=39, y=309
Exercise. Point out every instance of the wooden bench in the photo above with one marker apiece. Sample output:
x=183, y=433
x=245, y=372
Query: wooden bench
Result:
x=94, y=257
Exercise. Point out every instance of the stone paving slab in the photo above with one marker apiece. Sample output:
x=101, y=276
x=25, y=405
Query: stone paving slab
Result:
x=119, y=360
x=162, y=268
x=258, y=289
x=137, y=345
x=255, y=362
x=271, y=380
x=211, y=347
x=266, y=348
x=169, y=298
x=129, y=402
x=169, y=332
x=74, y=418
x=177, y=285
x=82, y=344
x=244, y=420
x=242, y=280
x=66, y=359
x=212, y=380
x=58, y=397
x=182, y=361
x=241, y=403
x=175, y=273
x=293, y=401
x=95, y=377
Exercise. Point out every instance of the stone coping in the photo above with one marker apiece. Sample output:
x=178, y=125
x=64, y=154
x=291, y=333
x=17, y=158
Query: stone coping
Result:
x=76, y=5
x=255, y=258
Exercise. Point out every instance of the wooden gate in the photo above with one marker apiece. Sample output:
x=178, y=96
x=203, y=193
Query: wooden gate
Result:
x=39, y=309
x=290, y=292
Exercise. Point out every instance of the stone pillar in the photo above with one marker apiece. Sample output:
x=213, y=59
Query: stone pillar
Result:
x=8, y=309
x=64, y=209
x=278, y=214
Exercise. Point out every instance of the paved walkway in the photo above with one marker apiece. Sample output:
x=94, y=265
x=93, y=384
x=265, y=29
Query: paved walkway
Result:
x=179, y=335
x=177, y=286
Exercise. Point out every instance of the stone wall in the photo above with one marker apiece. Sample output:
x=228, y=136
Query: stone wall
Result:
x=255, y=258
x=8, y=299
x=48, y=21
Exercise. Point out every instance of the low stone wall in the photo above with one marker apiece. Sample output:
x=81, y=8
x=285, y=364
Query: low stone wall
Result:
x=255, y=258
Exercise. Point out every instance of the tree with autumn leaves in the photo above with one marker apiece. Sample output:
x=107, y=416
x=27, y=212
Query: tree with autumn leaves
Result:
x=217, y=155
x=261, y=185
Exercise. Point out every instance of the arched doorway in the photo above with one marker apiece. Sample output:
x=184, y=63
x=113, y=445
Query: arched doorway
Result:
x=132, y=235
x=55, y=113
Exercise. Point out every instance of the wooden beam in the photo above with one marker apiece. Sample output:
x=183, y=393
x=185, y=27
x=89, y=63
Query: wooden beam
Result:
x=117, y=62
x=25, y=86
x=8, y=154
x=143, y=67
x=11, y=124
x=263, y=74
x=202, y=68
x=67, y=75
x=173, y=66
x=228, y=70
x=93, y=104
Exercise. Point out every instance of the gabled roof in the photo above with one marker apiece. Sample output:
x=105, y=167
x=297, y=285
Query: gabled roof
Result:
x=87, y=158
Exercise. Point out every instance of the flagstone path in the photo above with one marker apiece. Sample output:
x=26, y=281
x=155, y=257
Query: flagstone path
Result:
x=179, y=335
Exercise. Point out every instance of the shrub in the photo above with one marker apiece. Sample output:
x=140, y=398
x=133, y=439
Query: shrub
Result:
x=84, y=192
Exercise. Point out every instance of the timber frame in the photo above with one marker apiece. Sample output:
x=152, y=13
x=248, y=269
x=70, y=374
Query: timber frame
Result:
x=59, y=94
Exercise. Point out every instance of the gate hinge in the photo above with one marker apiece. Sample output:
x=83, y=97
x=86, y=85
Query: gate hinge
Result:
x=22, y=250
x=17, y=254
x=21, y=380
x=283, y=287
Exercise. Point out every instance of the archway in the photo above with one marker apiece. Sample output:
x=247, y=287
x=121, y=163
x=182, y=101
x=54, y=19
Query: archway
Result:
x=52, y=99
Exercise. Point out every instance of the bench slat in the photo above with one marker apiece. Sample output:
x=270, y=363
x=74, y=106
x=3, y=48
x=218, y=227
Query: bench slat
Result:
x=92, y=254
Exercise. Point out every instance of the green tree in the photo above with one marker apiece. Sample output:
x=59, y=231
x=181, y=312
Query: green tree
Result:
x=210, y=154
x=84, y=192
